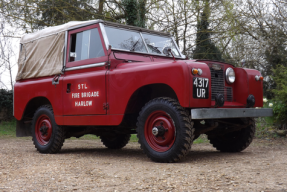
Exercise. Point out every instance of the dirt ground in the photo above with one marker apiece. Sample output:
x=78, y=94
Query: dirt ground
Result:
x=86, y=165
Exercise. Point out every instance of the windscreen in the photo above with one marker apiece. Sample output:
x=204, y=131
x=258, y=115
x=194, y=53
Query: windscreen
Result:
x=125, y=39
x=159, y=45
x=141, y=42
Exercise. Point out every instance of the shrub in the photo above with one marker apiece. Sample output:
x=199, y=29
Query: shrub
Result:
x=6, y=104
x=280, y=92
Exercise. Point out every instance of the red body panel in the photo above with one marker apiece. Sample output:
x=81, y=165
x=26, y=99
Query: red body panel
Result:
x=255, y=87
x=89, y=120
x=240, y=95
x=26, y=90
x=126, y=78
x=131, y=57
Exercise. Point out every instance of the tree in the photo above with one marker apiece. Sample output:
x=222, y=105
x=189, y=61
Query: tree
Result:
x=135, y=12
x=32, y=15
x=56, y=12
x=205, y=48
x=131, y=12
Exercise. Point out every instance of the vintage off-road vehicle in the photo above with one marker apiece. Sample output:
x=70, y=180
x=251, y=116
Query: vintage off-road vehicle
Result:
x=112, y=80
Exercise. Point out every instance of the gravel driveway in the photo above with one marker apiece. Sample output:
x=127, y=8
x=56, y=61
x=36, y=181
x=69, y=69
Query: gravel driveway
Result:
x=86, y=165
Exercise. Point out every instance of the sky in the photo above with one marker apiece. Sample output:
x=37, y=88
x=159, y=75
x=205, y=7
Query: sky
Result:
x=14, y=44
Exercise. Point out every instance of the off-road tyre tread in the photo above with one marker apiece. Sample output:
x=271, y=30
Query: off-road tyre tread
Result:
x=59, y=134
x=187, y=129
x=120, y=141
x=225, y=144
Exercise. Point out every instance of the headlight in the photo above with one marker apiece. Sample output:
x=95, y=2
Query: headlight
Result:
x=230, y=75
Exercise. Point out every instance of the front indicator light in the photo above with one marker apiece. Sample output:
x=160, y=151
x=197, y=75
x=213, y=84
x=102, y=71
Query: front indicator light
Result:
x=258, y=78
x=194, y=71
x=230, y=75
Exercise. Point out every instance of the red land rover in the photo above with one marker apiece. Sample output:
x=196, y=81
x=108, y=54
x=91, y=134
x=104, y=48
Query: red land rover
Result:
x=113, y=80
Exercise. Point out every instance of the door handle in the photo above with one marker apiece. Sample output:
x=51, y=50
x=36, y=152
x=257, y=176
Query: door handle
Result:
x=69, y=88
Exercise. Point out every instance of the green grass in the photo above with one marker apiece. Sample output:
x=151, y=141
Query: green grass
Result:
x=201, y=139
x=8, y=128
x=264, y=125
x=88, y=137
x=134, y=138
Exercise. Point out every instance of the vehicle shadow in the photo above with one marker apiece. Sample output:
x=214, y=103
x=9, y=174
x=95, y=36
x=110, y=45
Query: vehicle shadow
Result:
x=103, y=151
x=137, y=154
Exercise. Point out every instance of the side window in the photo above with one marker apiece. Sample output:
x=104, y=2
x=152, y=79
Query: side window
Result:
x=85, y=45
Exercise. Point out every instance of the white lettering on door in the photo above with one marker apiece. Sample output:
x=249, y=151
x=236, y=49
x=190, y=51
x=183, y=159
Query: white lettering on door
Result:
x=82, y=86
x=83, y=103
x=84, y=94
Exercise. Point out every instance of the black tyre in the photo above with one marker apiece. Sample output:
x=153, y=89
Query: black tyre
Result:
x=164, y=130
x=117, y=141
x=48, y=137
x=234, y=141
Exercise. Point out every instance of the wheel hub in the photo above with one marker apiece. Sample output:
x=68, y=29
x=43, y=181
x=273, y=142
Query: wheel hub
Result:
x=159, y=131
x=44, y=129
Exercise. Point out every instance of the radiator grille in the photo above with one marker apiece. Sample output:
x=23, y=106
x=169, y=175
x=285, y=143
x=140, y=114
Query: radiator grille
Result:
x=217, y=85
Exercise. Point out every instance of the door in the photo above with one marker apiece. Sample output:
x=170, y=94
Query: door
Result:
x=84, y=82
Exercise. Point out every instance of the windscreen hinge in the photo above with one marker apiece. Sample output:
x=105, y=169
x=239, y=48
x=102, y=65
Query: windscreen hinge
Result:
x=55, y=80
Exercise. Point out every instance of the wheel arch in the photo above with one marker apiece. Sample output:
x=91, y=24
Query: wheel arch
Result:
x=141, y=96
x=23, y=125
x=146, y=93
x=33, y=105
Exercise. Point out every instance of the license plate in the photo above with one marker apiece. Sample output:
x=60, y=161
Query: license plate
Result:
x=200, y=87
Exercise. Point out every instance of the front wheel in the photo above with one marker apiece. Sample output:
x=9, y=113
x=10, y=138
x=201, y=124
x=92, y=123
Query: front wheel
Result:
x=48, y=137
x=165, y=130
x=235, y=141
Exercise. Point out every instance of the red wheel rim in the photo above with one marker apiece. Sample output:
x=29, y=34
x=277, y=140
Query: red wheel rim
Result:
x=161, y=121
x=43, y=129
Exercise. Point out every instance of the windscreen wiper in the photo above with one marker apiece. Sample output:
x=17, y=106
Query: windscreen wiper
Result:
x=155, y=49
x=134, y=46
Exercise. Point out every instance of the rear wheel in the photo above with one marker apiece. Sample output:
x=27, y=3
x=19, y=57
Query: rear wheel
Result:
x=234, y=141
x=165, y=130
x=117, y=141
x=48, y=137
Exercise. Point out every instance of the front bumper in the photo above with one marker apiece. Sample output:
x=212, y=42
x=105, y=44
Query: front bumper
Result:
x=220, y=113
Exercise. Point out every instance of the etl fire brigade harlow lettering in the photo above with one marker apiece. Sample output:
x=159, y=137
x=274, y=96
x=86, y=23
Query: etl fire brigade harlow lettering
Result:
x=85, y=94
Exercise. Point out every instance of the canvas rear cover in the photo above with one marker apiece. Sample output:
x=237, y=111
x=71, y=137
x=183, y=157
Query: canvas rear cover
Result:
x=42, y=52
x=42, y=57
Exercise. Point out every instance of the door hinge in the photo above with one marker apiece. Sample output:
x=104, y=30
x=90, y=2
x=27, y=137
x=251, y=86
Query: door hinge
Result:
x=106, y=106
